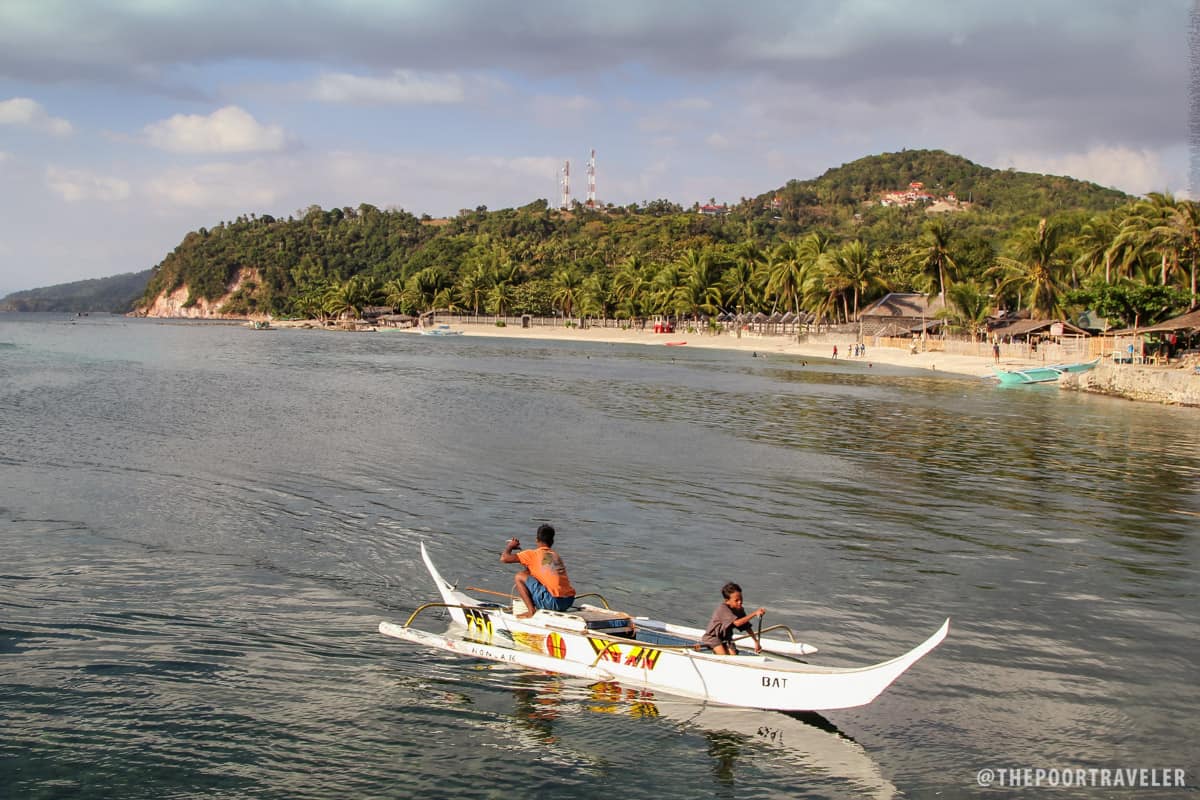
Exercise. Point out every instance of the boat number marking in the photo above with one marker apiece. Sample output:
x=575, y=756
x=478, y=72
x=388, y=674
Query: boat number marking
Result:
x=480, y=620
x=636, y=656
x=774, y=683
x=494, y=653
x=771, y=734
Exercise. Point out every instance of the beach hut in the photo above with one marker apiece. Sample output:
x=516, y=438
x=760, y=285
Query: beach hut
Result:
x=1030, y=330
x=911, y=310
x=395, y=321
x=1178, y=336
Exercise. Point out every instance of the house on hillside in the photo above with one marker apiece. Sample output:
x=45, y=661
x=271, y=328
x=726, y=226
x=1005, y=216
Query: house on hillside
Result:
x=916, y=193
x=902, y=314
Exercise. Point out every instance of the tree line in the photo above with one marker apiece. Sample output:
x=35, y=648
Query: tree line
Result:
x=1047, y=246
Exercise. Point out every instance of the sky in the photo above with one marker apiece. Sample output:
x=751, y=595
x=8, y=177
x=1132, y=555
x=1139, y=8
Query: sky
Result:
x=124, y=124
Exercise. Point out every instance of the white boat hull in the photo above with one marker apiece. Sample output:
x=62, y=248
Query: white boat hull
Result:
x=560, y=643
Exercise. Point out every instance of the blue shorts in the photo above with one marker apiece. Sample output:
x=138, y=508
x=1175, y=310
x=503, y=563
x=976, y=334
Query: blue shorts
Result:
x=543, y=599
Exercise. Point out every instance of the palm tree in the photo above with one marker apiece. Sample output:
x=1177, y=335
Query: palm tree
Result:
x=1036, y=268
x=931, y=254
x=812, y=247
x=740, y=286
x=596, y=296
x=699, y=292
x=1181, y=233
x=785, y=269
x=424, y=287
x=393, y=293
x=854, y=268
x=310, y=302
x=500, y=298
x=630, y=286
x=820, y=291
x=1095, y=245
x=969, y=308
x=668, y=290
x=566, y=285
x=743, y=282
x=472, y=288
x=348, y=299
x=1166, y=226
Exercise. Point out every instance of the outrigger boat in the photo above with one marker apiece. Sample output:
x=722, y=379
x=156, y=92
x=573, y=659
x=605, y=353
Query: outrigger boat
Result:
x=1047, y=374
x=440, y=330
x=598, y=643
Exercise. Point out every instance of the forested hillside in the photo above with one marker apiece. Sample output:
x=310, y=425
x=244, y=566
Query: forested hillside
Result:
x=825, y=246
x=115, y=294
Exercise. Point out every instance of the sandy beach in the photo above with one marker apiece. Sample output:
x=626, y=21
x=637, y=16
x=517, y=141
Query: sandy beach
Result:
x=968, y=365
x=973, y=366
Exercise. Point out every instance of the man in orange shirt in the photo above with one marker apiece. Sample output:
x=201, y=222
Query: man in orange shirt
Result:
x=543, y=583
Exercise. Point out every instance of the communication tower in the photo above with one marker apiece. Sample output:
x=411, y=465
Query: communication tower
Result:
x=591, y=176
x=565, y=184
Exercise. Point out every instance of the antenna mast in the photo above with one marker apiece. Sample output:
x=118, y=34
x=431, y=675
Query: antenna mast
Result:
x=591, y=178
x=565, y=183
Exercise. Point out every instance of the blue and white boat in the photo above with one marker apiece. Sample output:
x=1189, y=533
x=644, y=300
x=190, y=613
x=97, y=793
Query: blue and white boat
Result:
x=1047, y=374
x=440, y=330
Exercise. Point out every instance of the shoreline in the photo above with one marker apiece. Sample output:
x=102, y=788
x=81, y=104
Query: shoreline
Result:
x=933, y=361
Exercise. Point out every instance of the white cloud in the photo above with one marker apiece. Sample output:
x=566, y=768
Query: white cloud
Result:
x=559, y=111
x=664, y=124
x=716, y=141
x=402, y=87
x=528, y=166
x=30, y=113
x=436, y=183
x=220, y=187
x=4, y=156
x=226, y=130
x=75, y=185
x=1134, y=171
x=578, y=102
x=692, y=104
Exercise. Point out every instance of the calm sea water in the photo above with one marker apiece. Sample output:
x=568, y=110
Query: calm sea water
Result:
x=202, y=526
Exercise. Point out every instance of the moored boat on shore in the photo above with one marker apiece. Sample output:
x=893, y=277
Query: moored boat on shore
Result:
x=1046, y=374
x=440, y=330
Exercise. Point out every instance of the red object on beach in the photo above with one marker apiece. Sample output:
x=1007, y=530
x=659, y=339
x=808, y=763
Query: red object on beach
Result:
x=676, y=344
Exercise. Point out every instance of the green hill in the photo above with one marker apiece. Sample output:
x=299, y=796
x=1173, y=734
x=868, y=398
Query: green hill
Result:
x=532, y=247
x=114, y=294
x=1004, y=192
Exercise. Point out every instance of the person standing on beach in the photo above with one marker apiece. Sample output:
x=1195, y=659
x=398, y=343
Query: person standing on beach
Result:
x=996, y=351
x=728, y=616
x=543, y=582
x=835, y=351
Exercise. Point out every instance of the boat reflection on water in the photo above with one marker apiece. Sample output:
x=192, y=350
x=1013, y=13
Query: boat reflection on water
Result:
x=538, y=705
x=803, y=740
x=613, y=698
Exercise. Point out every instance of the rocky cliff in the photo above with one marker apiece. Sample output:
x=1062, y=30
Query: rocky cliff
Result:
x=174, y=304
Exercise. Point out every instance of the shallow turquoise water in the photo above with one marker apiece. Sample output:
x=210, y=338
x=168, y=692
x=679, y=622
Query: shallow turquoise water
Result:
x=202, y=526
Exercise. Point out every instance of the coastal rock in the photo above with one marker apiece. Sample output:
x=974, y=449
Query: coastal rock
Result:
x=174, y=305
x=1180, y=386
